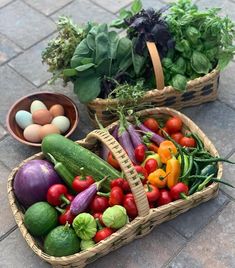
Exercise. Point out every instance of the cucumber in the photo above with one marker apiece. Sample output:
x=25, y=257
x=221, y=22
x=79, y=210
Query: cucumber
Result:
x=73, y=157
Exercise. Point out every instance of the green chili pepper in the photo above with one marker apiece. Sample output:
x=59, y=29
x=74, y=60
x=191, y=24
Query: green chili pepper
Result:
x=204, y=183
x=188, y=170
x=197, y=170
x=200, y=144
x=215, y=159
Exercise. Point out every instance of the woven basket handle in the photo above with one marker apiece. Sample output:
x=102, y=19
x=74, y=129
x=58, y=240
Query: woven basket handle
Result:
x=157, y=66
x=127, y=167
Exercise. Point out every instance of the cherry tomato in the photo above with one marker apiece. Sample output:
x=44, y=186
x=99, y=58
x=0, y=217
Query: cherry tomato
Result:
x=143, y=173
x=102, y=234
x=98, y=215
x=112, y=161
x=187, y=142
x=164, y=197
x=140, y=153
x=152, y=147
x=161, y=133
x=66, y=216
x=116, y=196
x=151, y=165
x=152, y=124
x=178, y=189
x=177, y=136
x=174, y=124
x=152, y=192
x=126, y=187
x=56, y=195
x=99, y=204
x=117, y=182
x=130, y=206
x=81, y=183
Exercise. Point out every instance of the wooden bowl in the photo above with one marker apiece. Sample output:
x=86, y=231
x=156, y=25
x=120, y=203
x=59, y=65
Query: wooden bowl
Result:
x=48, y=99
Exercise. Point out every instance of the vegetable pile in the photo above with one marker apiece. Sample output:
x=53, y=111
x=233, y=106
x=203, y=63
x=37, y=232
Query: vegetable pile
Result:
x=190, y=42
x=78, y=199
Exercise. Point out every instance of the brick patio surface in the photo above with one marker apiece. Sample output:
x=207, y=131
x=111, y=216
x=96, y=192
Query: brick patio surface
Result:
x=202, y=237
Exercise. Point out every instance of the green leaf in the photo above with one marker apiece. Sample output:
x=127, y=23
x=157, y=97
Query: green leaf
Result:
x=200, y=63
x=179, y=82
x=102, y=46
x=84, y=67
x=136, y=6
x=113, y=44
x=103, y=68
x=69, y=72
x=138, y=62
x=81, y=50
x=91, y=41
x=124, y=14
x=224, y=60
x=193, y=34
x=87, y=88
x=125, y=63
x=124, y=47
x=167, y=63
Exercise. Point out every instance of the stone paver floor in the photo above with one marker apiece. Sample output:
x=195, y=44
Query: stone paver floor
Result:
x=202, y=237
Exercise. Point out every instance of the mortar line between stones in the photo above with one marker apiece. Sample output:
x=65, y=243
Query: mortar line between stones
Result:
x=229, y=196
x=226, y=104
x=8, y=168
x=22, y=49
x=8, y=233
x=12, y=58
x=52, y=13
x=7, y=4
x=109, y=11
x=165, y=265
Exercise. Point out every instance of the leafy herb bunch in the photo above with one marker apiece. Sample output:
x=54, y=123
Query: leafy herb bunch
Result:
x=204, y=40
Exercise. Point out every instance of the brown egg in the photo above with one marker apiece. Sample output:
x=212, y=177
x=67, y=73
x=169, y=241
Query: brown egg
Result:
x=31, y=133
x=48, y=129
x=56, y=110
x=42, y=117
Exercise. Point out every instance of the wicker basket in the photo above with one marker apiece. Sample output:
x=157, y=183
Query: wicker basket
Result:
x=147, y=218
x=199, y=90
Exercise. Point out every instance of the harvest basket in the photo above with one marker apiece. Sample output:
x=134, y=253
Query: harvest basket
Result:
x=198, y=91
x=147, y=218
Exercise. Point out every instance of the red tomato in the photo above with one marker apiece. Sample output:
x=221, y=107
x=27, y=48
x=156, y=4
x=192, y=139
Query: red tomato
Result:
x=98, y=216
x=174, y=124
x=116, y=196
x=151, y=165
x=99, y=204
x=187, y=142
x=161, y=133
x=152, y=192
x=102, y=234
x=178, y=189
x=164, y=197
x=56, y=195
x=130, y=206
x=140, y=153
x=152, y=124
x=117, y=182
x=126, y=187
x=177, y=136
x=112, y=161
x=81, y=183
x=143, y=172
x=66, y=216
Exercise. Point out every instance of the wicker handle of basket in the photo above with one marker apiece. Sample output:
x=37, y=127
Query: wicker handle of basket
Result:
x=157, y=65
x=126, y=166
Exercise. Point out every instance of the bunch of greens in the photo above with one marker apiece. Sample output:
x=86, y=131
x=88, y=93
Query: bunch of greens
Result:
x=59, y=50
x=204, y=41
x=100, y=61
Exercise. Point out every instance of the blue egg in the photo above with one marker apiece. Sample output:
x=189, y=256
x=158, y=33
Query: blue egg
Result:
x=23, y=119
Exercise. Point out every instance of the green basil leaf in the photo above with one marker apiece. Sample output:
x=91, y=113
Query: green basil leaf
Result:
x=179, y=82
x=104, y=68
x=113, y=44
x=84, y=67
x=82, y=50
x=124, y=47
x=193, y=34
x=167, y=63
x=200, y=63
x=91, y=41
x=87, y=88
x=136, y=6
x=224, y=59
x=69, y=72
x=138, y=62
x=102, y=47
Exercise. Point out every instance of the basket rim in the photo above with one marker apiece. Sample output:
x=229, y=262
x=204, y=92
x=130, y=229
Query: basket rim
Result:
x=166, y=89
x=18, y=215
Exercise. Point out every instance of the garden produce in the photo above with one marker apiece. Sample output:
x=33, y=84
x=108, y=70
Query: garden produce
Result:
x=151, y=165
x=112, y=161
x=117, y=182
x=42, y=117
x=99, y=204
x=116, y=196
x=56, y=195
x=174, y=124
x=61, y=122
x=82, y=200
x=103, y=233
x=56, y=110
x=48, y=129
x=166, y=150
x=98, y=215
x=37, y=105
x=40, y=218
x=33, y=180
x=187, y=142
x=177, y=136
x=81, y=183
x=85, y=244
x=85, y=226
x=154, y=156
x=62, y=241
x=152, y=192
x=74, y=156
x=140, y=153
x=151, y=124
x=23, y=119
x=172, y=171
x=32, y=133
x=130, y=206
x=158, y=178
x=115, y=217
x=164, y=197
x=179, y=190
x=66, y=215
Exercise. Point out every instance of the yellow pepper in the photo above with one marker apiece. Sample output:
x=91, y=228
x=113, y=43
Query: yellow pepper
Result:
x=153, y=156
x=158, y=178
x=166, y=150
x=173, y=172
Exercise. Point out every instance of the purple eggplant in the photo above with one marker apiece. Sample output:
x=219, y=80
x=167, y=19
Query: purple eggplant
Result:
x=135, y=136
x=152, y=136
x=82, y=200
x=115, y=132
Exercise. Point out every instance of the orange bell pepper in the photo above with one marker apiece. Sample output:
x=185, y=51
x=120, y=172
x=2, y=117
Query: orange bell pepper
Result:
x=158, y=178
x=173, y=172
x=166, y=150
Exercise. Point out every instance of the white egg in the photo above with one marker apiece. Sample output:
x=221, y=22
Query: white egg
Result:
x=62, y=123
x=37, y=105
x=23, y=119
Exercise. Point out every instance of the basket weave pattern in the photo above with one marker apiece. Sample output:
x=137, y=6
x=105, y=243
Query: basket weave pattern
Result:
x=147, y=218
